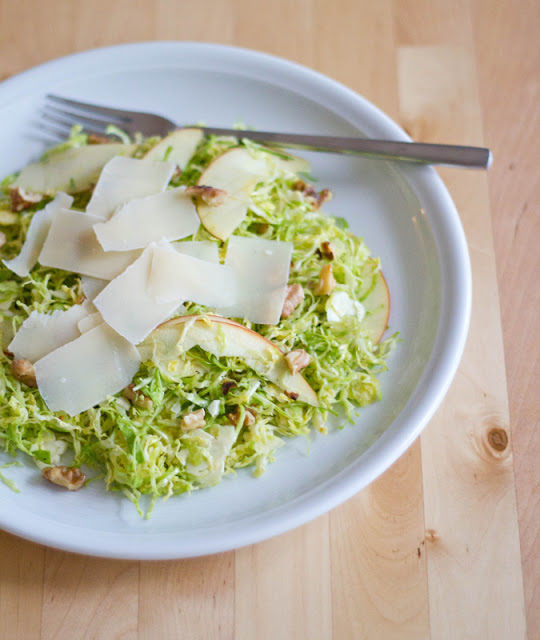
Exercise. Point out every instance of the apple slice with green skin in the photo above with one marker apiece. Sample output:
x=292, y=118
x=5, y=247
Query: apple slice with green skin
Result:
x=72, y=170
x=178, y=147
x=377, y=306
x=223, y=337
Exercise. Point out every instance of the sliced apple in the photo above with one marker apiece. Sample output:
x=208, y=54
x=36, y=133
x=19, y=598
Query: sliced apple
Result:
x=178, y=147
x=236, y=172
x=377, y=306
x=224, y=337
x=72, y=170
x=290, y=162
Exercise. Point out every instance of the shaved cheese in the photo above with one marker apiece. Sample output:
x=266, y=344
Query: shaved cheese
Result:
x=92, y=286
x=84, y=372
x=204, y=249
x=124, y=179
x=42, y=333
x=169, y=215
x=177, y=276
x=72, y=170
x=127, y=304
x=72, y=245
x=262, y=268
x=90, y=321
x=36, y=235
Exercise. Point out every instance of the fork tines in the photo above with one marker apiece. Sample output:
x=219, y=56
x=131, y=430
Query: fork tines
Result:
x=64, y=113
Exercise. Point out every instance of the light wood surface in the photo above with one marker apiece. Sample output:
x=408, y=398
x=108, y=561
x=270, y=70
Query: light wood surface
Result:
x=445, y=544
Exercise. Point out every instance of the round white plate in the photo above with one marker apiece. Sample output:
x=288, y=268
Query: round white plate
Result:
x=406, y=217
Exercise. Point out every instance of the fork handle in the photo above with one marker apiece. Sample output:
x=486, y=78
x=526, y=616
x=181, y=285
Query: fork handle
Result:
x=421, y=152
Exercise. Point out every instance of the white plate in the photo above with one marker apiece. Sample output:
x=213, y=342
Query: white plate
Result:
x=406, y=217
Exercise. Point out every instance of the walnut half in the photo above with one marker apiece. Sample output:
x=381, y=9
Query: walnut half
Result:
x=71, y=478
x=294, y=295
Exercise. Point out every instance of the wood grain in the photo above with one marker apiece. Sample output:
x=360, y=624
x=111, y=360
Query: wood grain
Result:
x=283, y=586
x=509, y=81
x=89, y=598
x=379, y=582
x=21, y=587
x=465, y=71
x=188, y=598
x=469, y=493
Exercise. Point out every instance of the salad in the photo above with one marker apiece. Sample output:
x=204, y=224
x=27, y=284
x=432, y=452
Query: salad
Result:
x=174, y=309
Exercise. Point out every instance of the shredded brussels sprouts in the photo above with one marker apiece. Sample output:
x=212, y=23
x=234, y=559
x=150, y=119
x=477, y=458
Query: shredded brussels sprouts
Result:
x=139, y=447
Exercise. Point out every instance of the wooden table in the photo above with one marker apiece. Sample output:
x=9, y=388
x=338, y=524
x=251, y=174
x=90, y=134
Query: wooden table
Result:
x=445, y=544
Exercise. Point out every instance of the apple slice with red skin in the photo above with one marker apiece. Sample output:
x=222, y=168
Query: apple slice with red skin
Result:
x=237, y=171
x=223, y=337
x=178, y=147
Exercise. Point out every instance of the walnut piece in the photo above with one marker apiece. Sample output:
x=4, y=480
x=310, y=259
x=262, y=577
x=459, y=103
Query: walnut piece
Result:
x=193, y=420
x=315, y=199
x=209, y=195
x=21, y=199
x=294, y=295
x=297, y=360
x=326, y=283
x=137, y=397
x=227, y=385
x=327, y=250
x=249, y=417
x=24, y=372
x=69, y=477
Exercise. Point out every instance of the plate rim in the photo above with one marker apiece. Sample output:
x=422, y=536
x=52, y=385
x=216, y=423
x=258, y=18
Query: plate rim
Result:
x=337, y=489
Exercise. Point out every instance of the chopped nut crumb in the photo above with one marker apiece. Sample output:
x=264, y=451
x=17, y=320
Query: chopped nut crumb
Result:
x=249, y=417
x=137, y=397
x=227, y=385
x=294, y=295
x=95, y=138
x=71, y=478
x=297, y=360
x=193, y=420
x=24, y=371
x=327, y=250
x=21, y=199
x=292, y=395
x=299, y=185
x=326, y=283
x=210, y=195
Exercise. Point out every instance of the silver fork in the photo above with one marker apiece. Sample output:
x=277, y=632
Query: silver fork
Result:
x=64, y=113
